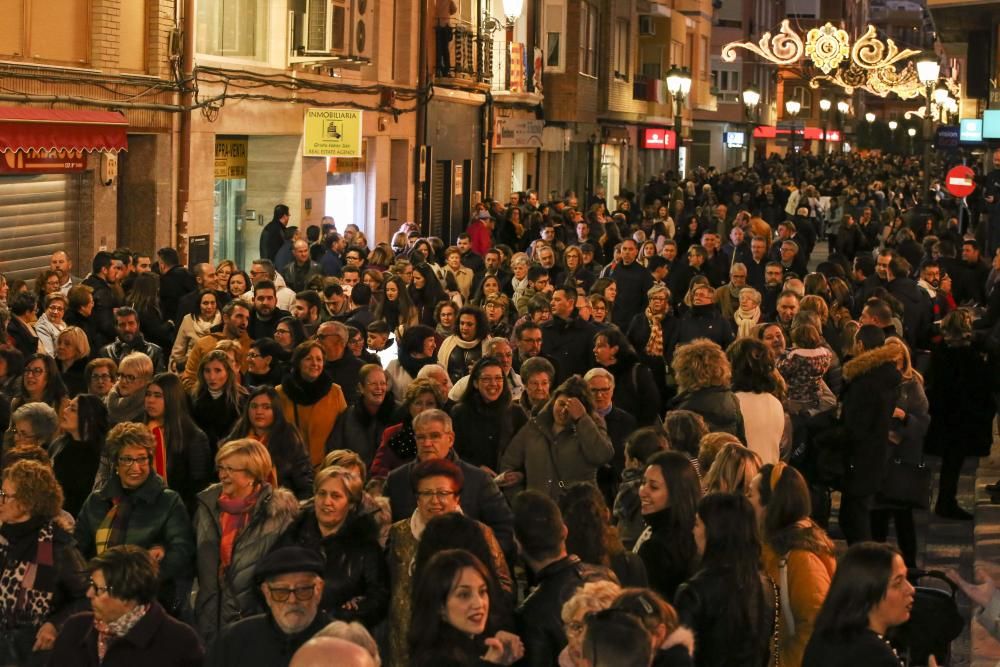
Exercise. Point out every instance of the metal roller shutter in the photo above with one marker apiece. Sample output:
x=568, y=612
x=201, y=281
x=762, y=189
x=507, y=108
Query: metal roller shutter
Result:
x=38, y=215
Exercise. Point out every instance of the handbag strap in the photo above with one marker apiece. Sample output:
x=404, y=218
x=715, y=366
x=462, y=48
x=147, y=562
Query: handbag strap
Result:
x=786, y=602
x=776, y=634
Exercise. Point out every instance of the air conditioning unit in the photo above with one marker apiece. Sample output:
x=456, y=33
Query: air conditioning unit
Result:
x=325, y=28
x=646, y=25
x=362, y=29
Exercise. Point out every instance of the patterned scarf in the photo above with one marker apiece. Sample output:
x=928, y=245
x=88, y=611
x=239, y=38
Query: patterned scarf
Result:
x=121, y=626
x=654, y=346
x=29, y=585
x=234, y=517
x=111, y=530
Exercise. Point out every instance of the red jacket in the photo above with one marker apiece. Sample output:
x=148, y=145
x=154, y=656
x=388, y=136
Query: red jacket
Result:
x=479, y=236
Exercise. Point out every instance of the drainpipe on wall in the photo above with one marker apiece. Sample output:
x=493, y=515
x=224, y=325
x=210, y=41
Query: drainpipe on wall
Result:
x=423, y=84
x=184, y=138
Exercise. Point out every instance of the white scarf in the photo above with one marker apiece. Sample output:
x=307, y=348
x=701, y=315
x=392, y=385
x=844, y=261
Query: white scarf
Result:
x=745, y=322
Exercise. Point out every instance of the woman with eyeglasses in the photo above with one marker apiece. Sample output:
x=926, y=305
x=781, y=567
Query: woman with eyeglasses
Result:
x=40, y=383
x=265, y=365
x=34, y=424
x=484, y=416
x=126, y=400
x=334, y=524
x=399, y=444
x=100, y=375
x=76, y=454
x=72, y=353
x=588, y=599
x=237, y=521
x=264, y=421
x=218, y=399
x=42, y=580
x=455, y=621
x=195, y=326
x=136, y=507
x=50, y=324
x=289, y=334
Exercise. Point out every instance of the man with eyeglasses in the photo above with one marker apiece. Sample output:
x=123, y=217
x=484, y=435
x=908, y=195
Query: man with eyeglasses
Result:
x=291, y=582
x=481, y=498
x=341, y=365
x=263, y=270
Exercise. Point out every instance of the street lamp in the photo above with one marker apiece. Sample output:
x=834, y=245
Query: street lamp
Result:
x=928, y=70
x=751, y=98
x=843, y=107
x=912, y=132
x=870, y=117
x=792, y=108
x=512, y=10
x=679, y=85
x=893, y=125
x=824, y=107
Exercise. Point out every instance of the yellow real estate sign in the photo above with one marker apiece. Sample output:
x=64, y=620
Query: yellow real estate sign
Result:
x=332, y=133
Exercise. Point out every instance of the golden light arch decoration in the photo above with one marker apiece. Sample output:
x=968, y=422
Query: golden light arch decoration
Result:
x=869, y=63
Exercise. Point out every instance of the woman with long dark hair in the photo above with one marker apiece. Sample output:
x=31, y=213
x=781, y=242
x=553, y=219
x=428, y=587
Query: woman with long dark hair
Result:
x=452, y=616
x=76, y=454
x=668, y=499
x=396, y=308
x=798, y=555
x=289, y=334
x=482, y=420
x=195, y=325
x=416, y=349
x=310, y=399
x=217, y=399
x=40, y=383
x=425, y=292
x=869, y=595
x=729, y=603
x=264, y=421
x=460, y=351
x=183, y=457
x=156, y=327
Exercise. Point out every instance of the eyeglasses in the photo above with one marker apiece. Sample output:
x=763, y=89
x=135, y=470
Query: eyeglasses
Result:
x=600, y=390
x=99, y=590
x=34, y=371
x=229, y=470
x=56, y=308
x=101, y=377
x=129, y=461
x=430, y=495
x=282, y=331
x=302, y=593
x=128, y=377
x=253, y=355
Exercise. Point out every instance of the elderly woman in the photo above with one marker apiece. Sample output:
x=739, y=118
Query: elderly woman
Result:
x=399, y=443
x=566, y=442
x=588, y=599
x=72, y=353
x=76, y=454
x=360, y=427
x=310, y=399
x=538, y=375
x=236, y=523
x=747, y=315
x=334, y=524
x=264, y=364
x=101, y=376
x=461, y=350
x=703, y=378
x=194, y=326
x=42, y=580
x=136, y=507
x=50, y=324
x=40, y=383
x=125, y=400
x=34, y=424
x=79, y=310
x=122, y=592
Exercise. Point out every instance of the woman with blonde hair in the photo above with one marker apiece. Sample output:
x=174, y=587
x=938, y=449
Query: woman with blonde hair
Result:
x=704, y=376
x=217, y=400
x=732, y=470
x=590, y=598
x=236, y=523
x=72, y=353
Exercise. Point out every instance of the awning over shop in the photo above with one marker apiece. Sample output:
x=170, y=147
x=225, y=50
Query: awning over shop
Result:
x=32, y=129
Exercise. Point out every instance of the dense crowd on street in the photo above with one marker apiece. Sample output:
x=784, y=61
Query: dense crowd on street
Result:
x=591, y=432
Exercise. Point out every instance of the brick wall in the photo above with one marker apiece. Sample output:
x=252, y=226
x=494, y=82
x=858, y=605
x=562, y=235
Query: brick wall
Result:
x=571, y=96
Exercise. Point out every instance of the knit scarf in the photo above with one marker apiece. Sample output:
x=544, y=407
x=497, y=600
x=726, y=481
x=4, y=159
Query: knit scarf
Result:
x=303, y=392
x=450, y=343
x=234, y=516
x=121, y=626
x=111, y=530
x=746, y=321
x=124, y=408
x=654, y=346
x=29, y=580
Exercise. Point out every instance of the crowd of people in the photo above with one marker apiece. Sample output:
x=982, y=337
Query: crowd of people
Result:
x=586, y=434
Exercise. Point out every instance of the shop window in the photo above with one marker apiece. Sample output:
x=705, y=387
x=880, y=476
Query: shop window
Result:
x=726, y=83
x=588, y=39
x=621, y=49
x=555, y=31
x=232, y=28
x=46, y=30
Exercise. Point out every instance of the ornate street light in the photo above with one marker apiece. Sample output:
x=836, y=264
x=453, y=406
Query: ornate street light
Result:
x=843, y=107
x=928, y=70
x=824, y=107
x=893, y=125
x=912, y=132
x=870, y=117
x=751, y=98
x=792, y=108
x=679, y=85
x=512, y=10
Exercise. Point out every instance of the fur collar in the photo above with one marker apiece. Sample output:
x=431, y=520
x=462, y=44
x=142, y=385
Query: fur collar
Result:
x=682, y=636
x=868, y=361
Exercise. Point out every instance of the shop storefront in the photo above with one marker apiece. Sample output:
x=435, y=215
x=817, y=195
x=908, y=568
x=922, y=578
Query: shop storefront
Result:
x=516, y=144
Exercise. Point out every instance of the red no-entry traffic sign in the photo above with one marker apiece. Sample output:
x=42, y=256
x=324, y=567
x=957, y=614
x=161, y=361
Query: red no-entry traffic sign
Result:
x=960, y=181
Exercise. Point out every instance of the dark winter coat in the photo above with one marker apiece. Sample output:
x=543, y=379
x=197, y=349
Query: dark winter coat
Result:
x=174, y=284
x=961, y=405
x=669, y=557
x=361, y=431
x=635, y=391
x=917, y=310
x=570, y=343
x=157, y=640
x=258, y=640
x=870, y=394
x=75, y=465
x=355, y=567
x=483, y=432
x=718, y=406
x=701, y=322
x=633, y=281
x=866, y=648
x=272, y=237
x=103, y=314
x=118, y=350
x=215, y=416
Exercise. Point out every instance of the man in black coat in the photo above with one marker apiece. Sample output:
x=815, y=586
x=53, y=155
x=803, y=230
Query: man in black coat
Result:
x=105, y=272
x=868, y=402
x=272, y=237
x=130, y=339
x=633, y=282
x=175, y=281
x=341, y=364
x=917, y=305
x=566, y=338
x=266, y=314
x=273, y=638
x=190, y=303
x=481, y=499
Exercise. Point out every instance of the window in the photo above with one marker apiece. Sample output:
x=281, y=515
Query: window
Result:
x=55, y=30
x=555, y=29
x=233, y=28
x=730, y=14
x=621, y=49
x=804, y=96
x=588, y=39
x=703, y=59
x=726, y=81
x=132, y=48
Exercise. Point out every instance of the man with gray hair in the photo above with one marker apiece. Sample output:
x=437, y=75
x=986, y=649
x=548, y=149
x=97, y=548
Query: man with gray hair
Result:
x=353, y=632
x=480, y=497
x=728, y=296
x=341, y=364
x=619, y=423
x=301, y=269
x=322, y=651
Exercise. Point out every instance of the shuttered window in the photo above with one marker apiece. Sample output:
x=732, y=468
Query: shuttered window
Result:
x=38, y=215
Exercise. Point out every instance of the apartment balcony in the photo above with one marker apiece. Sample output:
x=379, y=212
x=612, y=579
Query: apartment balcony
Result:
x=650, y=89
x=515, y=78
x=467, y=62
